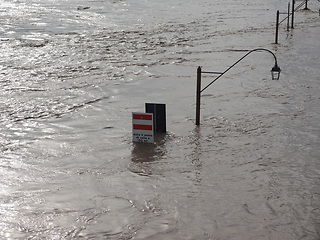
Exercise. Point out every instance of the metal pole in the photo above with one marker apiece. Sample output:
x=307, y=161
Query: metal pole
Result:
x=288, y=21
x=198, y=96
x=306, y=6
x=292, y=17
x=277, y=26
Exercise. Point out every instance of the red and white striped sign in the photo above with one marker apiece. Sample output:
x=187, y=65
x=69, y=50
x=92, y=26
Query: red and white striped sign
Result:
x=142, y=127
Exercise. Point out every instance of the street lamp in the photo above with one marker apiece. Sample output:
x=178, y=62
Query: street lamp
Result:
x=275, y=73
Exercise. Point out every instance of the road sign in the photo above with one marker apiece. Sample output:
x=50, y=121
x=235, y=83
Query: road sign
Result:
x=142, y=127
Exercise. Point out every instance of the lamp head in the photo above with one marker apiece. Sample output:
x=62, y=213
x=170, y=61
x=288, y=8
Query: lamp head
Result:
x=275, y=72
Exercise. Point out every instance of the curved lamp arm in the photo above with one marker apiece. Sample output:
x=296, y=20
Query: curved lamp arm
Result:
x=275, y=69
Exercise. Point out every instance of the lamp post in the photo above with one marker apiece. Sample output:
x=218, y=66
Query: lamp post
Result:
x=306, y=6
x=275, y=73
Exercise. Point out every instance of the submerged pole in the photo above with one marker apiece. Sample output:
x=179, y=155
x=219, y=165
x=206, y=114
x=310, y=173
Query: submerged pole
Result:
x=198, y=96
x=292, y=17
x=306, y=6
x=288, y=21
x=277, y=27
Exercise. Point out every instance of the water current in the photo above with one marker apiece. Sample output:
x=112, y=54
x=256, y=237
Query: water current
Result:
x=71, y=74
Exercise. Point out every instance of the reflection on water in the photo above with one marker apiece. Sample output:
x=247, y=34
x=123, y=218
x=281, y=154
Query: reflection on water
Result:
x=144, y=154
x=196, y=153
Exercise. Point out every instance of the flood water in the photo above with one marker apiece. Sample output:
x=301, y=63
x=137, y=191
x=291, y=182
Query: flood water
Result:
x=71, y=74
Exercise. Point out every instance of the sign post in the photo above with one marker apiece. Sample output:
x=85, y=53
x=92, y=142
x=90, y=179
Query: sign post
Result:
x=142, y=127
x=159, y=116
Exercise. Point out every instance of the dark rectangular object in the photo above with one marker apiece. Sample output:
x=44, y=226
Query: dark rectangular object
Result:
x=159, y=116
